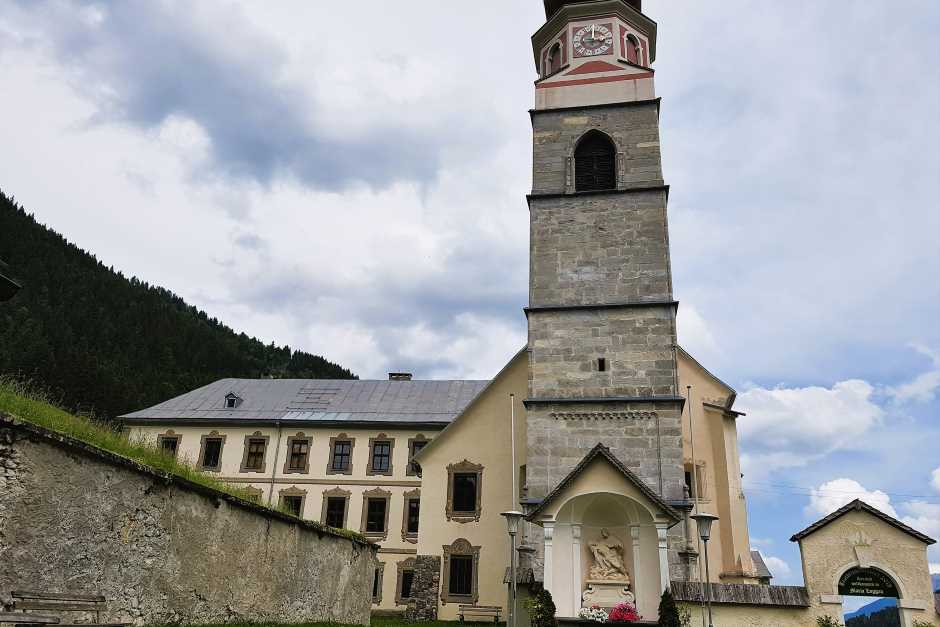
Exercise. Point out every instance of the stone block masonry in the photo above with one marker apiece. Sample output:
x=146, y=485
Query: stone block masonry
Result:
x=599, y=248
x=645, y=436
x=638, y=344
x=425, y=587
x=633, y=126
x=160, y=548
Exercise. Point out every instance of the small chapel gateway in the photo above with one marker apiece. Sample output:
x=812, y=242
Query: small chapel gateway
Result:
x=619, y=433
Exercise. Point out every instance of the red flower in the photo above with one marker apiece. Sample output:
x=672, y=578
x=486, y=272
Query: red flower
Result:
x=624, y=613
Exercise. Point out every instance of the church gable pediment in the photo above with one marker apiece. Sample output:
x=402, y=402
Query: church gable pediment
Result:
x=600, y=470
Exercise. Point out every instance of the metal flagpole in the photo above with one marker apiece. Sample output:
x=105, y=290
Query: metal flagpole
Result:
x=512, y=441
x=695, y=495
x=515, y=505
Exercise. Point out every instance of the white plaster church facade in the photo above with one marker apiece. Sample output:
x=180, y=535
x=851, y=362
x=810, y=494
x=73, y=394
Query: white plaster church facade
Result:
x=619, y=434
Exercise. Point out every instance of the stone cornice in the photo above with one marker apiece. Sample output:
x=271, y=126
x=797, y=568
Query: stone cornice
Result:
x=657, y=102
x=544, y=400
x=674, y=304
x=601, y=192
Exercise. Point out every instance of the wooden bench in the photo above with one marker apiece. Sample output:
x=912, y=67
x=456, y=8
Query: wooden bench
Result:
x=483, y=611
x=24, y=602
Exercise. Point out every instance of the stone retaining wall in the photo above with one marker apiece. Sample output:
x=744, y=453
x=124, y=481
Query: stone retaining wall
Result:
x=161, y=549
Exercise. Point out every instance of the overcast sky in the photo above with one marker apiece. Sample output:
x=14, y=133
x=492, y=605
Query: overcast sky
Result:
x=350, y=179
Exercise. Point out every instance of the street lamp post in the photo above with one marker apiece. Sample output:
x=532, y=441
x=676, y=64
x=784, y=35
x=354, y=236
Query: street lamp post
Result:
x=512, y=523
x=704, y=522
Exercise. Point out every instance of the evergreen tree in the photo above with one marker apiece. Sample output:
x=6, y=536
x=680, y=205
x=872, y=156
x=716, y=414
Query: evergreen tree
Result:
x=541, y=609
x=668, y=611
x=100, y=342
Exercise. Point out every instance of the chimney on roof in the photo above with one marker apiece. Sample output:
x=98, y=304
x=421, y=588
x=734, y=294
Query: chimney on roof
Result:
x=399, y=376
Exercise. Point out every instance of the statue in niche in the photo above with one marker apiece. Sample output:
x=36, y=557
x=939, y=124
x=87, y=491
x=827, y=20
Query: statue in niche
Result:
x=608, y=559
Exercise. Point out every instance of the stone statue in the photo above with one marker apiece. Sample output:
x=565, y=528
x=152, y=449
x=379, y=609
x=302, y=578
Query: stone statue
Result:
x=608, y=559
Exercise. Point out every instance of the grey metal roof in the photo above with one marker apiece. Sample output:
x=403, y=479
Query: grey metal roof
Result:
x=318, y=400
x=760, y=566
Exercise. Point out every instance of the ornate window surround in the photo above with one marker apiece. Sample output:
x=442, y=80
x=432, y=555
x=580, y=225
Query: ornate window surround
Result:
x=336, y=492
x=212, y=435
x=375, y=493
x=391, y=452
x=300, y=437
x=409, y=469
x=464, y=467
x=264, y=461
x=411, y=495
x=404, y=565
x=170, y=435
x=460, y=546
x=380, y=575
x=293, y=491
x=254, y=494
x=342, y=437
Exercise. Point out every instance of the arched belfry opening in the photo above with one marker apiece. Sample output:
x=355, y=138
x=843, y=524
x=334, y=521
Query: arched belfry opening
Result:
x=554, y=60
x=633, y=49
x=595, y=161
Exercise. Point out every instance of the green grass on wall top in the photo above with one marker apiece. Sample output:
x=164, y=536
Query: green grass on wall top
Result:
x=19, y=401
x=376, y=621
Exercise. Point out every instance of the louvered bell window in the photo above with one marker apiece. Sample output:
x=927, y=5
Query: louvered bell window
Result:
x=595, y=163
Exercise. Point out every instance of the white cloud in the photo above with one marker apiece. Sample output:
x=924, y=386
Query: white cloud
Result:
x=923, y=516
x=777, y=567
x=934, y=568
x=694, y=333
x=832, y=495
x=789, y=427
x=923, y=388
x=935, y=481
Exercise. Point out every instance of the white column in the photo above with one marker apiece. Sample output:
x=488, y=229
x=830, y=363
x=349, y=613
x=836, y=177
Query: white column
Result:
x=637, y=576
x=575, y=568
x=548, y=529
x=661, y=531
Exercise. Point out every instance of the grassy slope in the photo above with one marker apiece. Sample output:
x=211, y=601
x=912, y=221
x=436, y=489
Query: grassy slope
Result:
x=21, y=403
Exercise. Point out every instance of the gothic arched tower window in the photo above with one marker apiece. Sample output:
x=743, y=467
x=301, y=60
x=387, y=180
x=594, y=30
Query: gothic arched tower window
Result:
x=594, y=163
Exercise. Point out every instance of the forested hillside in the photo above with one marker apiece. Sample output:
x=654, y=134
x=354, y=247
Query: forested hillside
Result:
x=99, y=341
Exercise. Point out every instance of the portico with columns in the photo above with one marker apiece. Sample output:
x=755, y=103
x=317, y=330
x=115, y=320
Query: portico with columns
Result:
x=605, y=537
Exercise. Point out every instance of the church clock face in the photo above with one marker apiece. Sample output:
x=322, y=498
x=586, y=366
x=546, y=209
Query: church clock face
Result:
x=593, y=40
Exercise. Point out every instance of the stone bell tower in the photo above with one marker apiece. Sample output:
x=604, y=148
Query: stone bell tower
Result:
x=601, y=314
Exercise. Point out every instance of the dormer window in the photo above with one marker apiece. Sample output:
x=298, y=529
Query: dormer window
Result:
x=232, y=401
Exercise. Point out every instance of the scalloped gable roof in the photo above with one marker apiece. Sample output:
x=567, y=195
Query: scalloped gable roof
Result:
x=603, y=452
x=860, y=506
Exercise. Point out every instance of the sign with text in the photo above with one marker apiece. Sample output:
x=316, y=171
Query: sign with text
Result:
x=867, y=582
